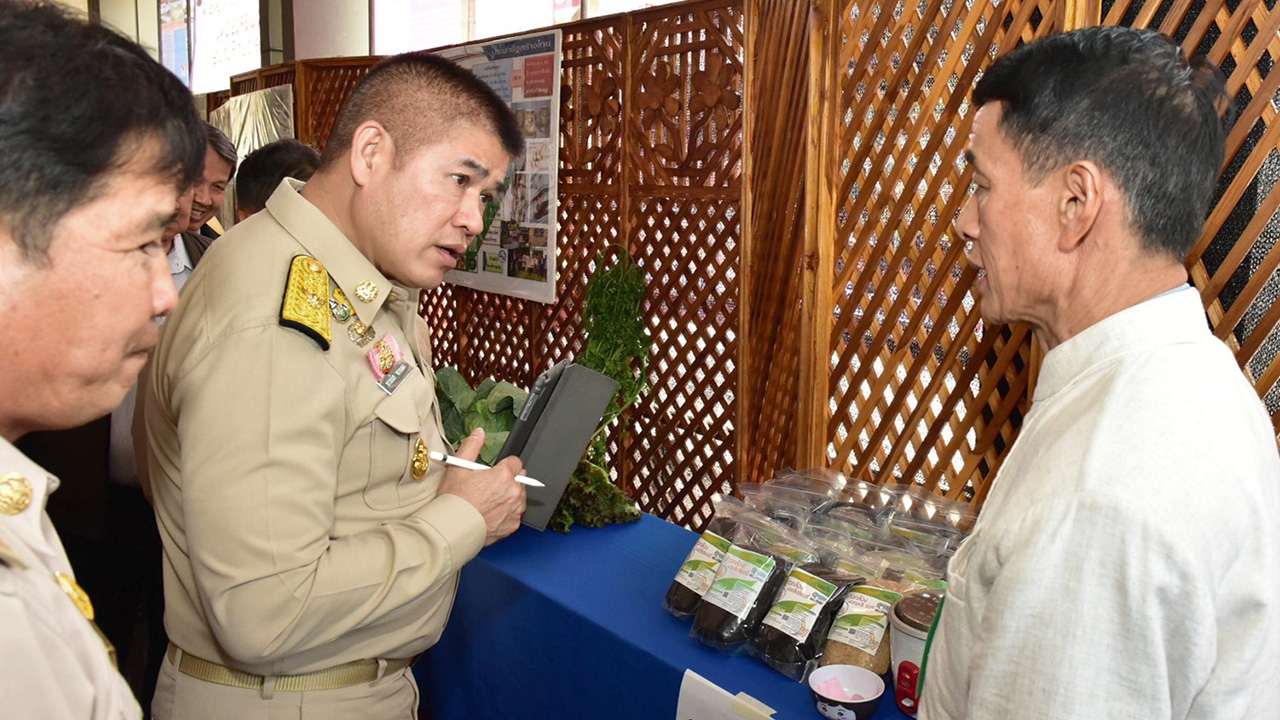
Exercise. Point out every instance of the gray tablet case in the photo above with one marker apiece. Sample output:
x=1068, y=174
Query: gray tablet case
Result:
x=564, y=409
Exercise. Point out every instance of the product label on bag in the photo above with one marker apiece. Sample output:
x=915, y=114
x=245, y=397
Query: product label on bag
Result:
x=699, y=569
x=739, y=580
x=864, y=617
x=799, y=604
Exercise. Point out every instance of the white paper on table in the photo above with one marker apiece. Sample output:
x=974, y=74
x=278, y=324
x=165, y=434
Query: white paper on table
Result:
x=701, y=699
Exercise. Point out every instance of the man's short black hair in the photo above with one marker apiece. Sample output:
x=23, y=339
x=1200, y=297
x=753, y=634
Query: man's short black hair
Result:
x=78, y=101
x=417, y=96
x=222, y=147
x=1128, y=100
x=261, y=172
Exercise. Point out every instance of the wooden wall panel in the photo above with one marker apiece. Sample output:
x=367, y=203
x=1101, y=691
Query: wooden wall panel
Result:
x=786, y=175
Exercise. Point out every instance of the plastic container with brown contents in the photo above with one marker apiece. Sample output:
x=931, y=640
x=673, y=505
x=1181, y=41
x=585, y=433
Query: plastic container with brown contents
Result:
x=695, y=575
x=859, y=634
x=793, y=633
x=749, y=575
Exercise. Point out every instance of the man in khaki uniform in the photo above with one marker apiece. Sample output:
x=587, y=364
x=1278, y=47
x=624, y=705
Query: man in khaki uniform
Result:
x=96, y=149
x=311, y=547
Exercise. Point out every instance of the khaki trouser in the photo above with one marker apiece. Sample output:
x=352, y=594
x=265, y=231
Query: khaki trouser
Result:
x=182, y=697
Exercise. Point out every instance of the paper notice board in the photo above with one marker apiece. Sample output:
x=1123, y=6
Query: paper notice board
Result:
x=516, y=255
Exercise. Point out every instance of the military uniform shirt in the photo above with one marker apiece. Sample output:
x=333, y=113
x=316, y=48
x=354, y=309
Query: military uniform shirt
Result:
x=296, y=535
x=53, y=663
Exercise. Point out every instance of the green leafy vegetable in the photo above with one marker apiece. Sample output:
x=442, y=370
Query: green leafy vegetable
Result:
x=493, y=406
x=618, y=345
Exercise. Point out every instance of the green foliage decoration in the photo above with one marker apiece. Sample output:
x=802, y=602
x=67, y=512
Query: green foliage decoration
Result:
x=618, y=345
x=618, y=342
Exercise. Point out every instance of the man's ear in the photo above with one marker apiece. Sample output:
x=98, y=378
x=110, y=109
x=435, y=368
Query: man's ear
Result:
x=1081, y=202
x=370, y=146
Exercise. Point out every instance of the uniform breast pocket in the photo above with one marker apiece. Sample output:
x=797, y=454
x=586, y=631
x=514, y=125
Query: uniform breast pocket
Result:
x=396, y=424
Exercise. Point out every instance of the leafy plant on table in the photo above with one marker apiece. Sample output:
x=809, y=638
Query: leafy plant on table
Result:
x=492, y=405
x=618, y=345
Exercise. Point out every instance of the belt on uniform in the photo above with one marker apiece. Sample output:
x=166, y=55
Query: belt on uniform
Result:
x=356, y=672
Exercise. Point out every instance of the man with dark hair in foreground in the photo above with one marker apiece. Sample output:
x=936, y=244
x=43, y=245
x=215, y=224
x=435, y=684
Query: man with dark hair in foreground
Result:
x=98, y=141
x=1126, y=564
x=311, y=546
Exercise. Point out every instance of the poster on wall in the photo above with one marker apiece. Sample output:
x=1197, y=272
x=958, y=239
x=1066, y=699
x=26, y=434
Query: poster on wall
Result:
x=516, y=254
x=175, y=52
x=226, y=40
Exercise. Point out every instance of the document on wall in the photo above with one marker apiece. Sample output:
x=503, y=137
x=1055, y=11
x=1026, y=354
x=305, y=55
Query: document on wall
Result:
x=515, y=254
x=701, y=699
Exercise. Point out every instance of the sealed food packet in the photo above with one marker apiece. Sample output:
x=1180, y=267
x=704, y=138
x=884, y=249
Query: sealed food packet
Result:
x=859, y=634
x=695, y=575
x=790, y=506
x=748, y=578
x=817, y=480
x=793, y=633
x=865, y=498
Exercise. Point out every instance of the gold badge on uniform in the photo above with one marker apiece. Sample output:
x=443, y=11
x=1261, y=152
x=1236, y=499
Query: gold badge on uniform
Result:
x=360, y=333
x=81, y=600
x=339, y=306
x=76, y=593
x=367, y=292
x=15, y=493
x=384, y=356
x=421, y=459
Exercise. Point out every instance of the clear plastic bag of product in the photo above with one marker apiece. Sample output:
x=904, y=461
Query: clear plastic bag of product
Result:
x=865, y=498
x=852, y=523
x=787, y=505
x=822, y=481
x=859, y=633
x=695, y=575
x=914, y=502
x=791, y=637
x=756, y=564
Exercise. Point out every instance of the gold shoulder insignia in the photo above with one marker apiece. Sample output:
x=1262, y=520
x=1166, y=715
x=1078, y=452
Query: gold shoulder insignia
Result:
x=306, y=300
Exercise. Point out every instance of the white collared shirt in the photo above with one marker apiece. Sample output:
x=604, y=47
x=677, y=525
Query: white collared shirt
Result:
x=122, y=466
x=180, y=265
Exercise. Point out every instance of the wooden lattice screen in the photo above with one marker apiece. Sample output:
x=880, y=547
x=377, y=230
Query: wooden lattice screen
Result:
x=651, y=161
x=786, y=173
x=919, y=390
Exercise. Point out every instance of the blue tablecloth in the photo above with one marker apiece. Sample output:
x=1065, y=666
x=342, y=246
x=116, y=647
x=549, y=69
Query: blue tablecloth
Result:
x=547, y=625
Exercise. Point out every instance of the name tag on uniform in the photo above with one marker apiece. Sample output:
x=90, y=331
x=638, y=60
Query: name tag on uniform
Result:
x=391, y=380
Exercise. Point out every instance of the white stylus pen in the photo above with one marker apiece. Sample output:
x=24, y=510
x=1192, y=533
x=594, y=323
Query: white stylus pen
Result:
x=470, y=465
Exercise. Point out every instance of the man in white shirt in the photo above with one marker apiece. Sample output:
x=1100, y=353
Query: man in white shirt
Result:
x=1126, y=564
x=86, y=190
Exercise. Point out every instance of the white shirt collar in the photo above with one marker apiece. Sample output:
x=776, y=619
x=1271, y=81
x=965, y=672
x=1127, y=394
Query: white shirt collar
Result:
x=179, y=258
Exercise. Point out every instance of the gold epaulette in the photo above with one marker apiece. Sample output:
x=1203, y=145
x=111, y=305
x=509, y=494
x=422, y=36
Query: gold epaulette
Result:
x=306, y=300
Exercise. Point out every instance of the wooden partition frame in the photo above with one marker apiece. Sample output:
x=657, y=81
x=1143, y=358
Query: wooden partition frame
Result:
x=917, y=388
x=786, y=174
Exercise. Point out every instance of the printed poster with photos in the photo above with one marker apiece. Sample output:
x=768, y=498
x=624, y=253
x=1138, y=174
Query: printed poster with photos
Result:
x=516, y=255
